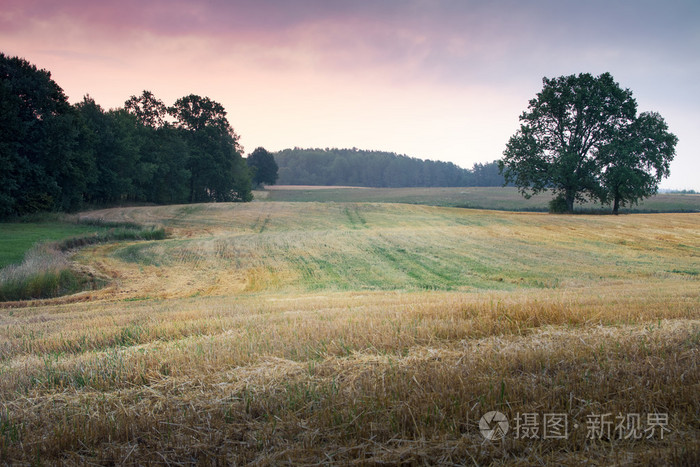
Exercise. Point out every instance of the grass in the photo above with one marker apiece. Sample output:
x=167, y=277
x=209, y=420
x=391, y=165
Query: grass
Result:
x=498, y=198
x=355, y=246
x=118, y=234
x=44, y=284
x=45, y=271
x=17, y=238
x=367, y=333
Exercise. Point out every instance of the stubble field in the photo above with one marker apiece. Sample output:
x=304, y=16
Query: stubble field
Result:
x=281, y=332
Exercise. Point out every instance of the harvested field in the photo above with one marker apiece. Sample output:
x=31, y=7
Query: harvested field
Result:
x=306, y=333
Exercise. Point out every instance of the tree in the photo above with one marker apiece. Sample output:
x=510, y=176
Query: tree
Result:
x=168, y=152
x=164, y=151
x=54, y=156
x=40, y=168
x=195, y=113
x=634, y=164
x=216, y=167
x=149, y=110
x=263, y=167
x=571, y=123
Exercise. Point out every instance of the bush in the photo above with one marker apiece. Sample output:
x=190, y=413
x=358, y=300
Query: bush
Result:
x=99, y=222
x=112, y=235
x=558, y=205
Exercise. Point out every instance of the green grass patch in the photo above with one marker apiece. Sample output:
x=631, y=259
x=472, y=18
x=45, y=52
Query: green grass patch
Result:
x=33, y=262
x=140, y=254
x=17, y=238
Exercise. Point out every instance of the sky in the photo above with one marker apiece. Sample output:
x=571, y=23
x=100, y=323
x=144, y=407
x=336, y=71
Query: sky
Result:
x=433, y=79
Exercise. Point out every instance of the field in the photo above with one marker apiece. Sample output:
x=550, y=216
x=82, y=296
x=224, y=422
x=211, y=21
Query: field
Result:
x=499, y=198
x=356, y=332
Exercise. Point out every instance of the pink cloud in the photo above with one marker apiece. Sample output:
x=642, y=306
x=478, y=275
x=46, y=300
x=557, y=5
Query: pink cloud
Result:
x=449, y=41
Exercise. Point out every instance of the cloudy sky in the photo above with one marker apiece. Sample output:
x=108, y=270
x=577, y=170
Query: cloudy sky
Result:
x=435, y=79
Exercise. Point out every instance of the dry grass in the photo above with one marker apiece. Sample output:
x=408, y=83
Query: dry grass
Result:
x=45, y=272
x=221, y=345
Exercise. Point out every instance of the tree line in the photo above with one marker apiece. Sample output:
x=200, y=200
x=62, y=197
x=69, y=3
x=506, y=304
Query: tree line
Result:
x=353, y=167
x=580, y=138
x=58, y=156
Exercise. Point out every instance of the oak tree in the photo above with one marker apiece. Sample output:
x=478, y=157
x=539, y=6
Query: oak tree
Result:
x=581, y=138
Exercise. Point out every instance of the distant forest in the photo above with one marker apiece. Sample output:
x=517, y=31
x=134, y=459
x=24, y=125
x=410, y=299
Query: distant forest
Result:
x=353, y=167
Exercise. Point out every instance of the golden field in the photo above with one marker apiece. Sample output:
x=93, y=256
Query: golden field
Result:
x=369, y=333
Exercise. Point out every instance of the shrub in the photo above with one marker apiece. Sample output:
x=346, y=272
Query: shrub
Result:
x=558, y=205
x=112, y=235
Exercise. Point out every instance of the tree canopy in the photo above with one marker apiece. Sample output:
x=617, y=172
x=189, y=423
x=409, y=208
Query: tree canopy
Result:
x=40, y=166
x=149, y=110
x=581, y=138
x=217, y=169
x=635, y=163
x=57, y=156
x=263, y=167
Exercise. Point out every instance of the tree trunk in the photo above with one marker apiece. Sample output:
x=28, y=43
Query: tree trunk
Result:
x=616, y=205
x=569, y=201
x=192, y=188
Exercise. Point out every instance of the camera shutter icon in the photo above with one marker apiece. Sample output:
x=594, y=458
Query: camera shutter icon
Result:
x=493, y=425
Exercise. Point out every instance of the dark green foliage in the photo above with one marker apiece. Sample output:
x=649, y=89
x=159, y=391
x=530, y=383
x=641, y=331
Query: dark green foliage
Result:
x=581, y=139
x=485, y=175
x=112, y=235
x=150, y=111
x=634, y=164
x=558, y=205
x=111, y=140
x=263, y=167
x=58, y=157
x=217, y=169
x=164, y=152
x=40, y=166
x=352, y=167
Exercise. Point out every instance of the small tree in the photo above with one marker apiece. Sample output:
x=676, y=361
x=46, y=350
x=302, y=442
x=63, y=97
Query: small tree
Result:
x=634, y=164
x=581, y=138
x=263, y=167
